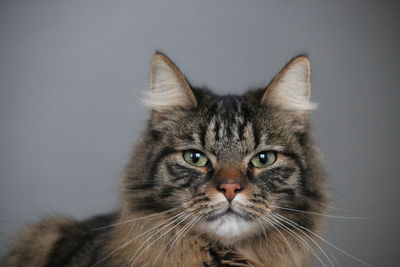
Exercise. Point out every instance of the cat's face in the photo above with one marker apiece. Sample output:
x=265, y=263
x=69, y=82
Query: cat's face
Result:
x=229, y=162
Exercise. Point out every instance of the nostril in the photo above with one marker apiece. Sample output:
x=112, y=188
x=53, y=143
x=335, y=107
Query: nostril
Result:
x=221, y=189
x=230, y=189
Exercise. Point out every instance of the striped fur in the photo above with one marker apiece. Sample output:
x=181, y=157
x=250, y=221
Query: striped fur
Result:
x=175, y=199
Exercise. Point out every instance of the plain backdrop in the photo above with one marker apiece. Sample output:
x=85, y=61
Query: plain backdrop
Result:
x=71, y=72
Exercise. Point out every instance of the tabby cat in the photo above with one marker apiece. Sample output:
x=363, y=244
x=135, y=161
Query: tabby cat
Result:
x=214, y=180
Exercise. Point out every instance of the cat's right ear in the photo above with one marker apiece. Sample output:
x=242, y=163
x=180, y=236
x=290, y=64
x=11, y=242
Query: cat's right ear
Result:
x=169, y=88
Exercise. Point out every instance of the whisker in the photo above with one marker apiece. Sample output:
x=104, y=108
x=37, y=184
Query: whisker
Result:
x=262, y=226
x=290, y=222
x=133, y=239
x=178, y=219
x=284, y=238
x=189, y=226
x=339, y=249
x=334, y=246
x=304, y=241
x=132, y=220
x=334, y=258
x=321, y=214
x=328, y=206
x=180, y=230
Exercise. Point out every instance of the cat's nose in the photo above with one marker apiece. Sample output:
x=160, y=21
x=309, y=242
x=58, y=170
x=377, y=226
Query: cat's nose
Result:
x=230, y=190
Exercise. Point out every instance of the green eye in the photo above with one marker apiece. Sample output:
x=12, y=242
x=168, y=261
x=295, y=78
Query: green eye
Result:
x=264, y=159
x=195, y=158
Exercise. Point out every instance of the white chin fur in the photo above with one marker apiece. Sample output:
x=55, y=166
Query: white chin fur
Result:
x=229, y=228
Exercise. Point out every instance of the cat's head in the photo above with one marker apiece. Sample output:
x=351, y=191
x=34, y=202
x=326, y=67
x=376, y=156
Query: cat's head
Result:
x=236, y=163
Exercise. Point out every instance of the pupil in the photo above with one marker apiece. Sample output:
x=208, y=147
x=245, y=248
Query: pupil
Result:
x=195, y=157
x=263, y=158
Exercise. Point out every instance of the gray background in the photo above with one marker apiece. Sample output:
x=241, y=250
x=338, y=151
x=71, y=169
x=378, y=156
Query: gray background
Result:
x=71, y=73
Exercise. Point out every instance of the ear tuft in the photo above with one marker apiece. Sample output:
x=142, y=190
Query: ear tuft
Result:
x=169, y=88
x=290, y=89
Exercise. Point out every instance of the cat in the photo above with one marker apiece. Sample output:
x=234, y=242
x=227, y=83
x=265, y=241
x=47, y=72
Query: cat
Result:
x=213, y=181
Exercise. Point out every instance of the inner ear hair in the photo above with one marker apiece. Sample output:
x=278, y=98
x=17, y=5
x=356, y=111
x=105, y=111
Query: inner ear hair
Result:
x=169, y=88
x=290, y=89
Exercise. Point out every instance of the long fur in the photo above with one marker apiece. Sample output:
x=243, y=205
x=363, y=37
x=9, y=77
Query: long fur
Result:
x=173, y=213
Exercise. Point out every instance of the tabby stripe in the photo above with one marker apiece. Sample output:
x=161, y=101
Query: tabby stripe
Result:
x=305, y=187
x=228, y=130
x=301, y=138
x=216, y=130
x=256, y=136
x=203, y=132
x=280, y=174
x=241, y=128
x=180, y=172
x=155, y=165
x=155, y=135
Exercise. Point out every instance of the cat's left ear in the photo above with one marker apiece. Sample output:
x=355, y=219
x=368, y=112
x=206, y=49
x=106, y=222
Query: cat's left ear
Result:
x=169, y=88
x=290, y=89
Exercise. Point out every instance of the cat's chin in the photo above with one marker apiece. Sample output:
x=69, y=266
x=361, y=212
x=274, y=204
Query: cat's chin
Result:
x=229, y=228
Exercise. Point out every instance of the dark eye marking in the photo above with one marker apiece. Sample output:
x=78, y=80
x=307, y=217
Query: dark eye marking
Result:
x=153, y=166
x=295, y=157
x=189, y=176
x=307, y=190
x=280, y=174
x=272, y=180
x=181, y=172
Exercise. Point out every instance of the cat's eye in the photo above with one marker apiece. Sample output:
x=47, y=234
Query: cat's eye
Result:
x=195, y=158
x=264, y=159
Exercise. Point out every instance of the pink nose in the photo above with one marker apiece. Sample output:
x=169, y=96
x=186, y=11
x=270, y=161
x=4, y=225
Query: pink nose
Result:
x=230, y=190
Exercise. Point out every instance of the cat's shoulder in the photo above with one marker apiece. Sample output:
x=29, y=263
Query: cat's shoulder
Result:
x=34, y=244
x=56, y=239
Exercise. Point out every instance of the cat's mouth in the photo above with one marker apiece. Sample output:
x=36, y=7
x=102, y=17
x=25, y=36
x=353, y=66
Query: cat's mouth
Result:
x=229, y=224
x=229, y=211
